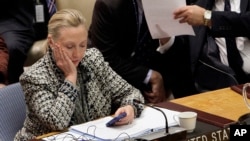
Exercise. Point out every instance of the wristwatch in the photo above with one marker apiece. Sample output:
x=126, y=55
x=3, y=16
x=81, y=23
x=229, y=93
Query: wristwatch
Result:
x=207, y=17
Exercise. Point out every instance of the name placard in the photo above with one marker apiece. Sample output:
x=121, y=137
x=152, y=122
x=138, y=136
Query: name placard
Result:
x=222, y=134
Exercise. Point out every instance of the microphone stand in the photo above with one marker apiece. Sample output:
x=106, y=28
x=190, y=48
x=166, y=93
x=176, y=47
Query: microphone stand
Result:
x=169, y=134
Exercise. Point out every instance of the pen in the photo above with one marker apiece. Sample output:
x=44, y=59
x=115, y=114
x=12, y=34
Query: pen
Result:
x=115, y=119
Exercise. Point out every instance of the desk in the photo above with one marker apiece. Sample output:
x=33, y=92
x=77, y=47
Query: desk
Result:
x=223, y=102
x=216, y=110
x=221, y=107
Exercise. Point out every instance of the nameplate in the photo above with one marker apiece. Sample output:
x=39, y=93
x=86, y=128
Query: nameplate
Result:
x=221, y=134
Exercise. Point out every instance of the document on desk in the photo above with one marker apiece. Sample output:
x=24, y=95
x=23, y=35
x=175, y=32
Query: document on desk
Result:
x=150, y=121
x=66, y=136
x=160, y=18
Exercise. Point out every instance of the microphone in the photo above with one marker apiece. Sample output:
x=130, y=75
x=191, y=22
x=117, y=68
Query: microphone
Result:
x=170, y=133
x=166, y=119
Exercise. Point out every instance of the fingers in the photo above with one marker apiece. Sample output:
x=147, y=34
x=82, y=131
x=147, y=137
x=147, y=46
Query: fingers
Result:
x=193, y=15
x=180, y=13
x=157, y=95
x=128, y=119
x=64, y=62
x=59, y=55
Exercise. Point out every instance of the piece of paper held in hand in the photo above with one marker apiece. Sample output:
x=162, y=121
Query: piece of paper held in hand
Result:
x=159, y=17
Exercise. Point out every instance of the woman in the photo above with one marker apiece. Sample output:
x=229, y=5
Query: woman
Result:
x=72, y=84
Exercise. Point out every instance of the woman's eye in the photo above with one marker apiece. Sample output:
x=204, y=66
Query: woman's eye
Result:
x=69, y=47
x=82, y=46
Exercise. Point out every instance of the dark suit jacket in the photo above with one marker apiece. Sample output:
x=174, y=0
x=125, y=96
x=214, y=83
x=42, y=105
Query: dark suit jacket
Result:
x=223, y=24
x=16, y=15
x=16, y=28
x=114, y=31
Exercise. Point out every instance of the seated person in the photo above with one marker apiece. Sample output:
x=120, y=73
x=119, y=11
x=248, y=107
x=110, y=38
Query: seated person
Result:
x=4, y=58
x=72, y=84
x=16, y=28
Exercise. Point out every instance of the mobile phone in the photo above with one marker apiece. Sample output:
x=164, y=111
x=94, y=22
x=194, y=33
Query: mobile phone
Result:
x=115, y=119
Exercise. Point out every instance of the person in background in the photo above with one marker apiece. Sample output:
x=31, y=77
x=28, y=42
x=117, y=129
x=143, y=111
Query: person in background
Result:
x=72, y=84
x=190, y=2
x=4, y=58
x=119, y=30
x=16, y=28
x=218, y=24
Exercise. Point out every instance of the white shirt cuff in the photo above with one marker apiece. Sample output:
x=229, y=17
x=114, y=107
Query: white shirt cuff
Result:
x=163, y=48
x=146, y=80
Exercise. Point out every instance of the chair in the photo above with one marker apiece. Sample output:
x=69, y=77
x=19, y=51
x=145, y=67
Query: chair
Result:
x=12, y=111
x=38, y=49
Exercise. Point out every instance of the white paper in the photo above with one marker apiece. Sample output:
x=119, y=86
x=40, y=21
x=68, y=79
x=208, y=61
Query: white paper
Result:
x=159, y=17
x=150, y=120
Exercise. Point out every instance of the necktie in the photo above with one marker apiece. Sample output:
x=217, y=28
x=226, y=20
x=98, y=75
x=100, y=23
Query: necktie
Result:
x=234, y=59
x=51, y=7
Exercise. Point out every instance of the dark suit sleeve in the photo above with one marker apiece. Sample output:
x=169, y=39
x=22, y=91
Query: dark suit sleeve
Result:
x=230, y=24
x=106, y=33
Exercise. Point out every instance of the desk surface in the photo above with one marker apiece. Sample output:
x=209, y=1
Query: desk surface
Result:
x=223, y=102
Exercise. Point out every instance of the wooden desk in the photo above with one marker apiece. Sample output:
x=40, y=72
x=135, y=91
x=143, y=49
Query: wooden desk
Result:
x=224, y=102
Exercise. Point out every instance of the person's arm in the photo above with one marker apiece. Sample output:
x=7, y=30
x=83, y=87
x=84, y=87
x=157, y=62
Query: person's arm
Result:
x=165, y=44
x=230, y=24
x=53, y=105
x=222, y=24
x=120, y=91
x=4, y=58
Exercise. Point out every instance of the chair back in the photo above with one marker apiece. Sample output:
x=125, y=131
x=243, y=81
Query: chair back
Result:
x=12, y=111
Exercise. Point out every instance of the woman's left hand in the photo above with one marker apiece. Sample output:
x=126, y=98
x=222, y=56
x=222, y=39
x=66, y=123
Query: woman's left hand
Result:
x=128, y=119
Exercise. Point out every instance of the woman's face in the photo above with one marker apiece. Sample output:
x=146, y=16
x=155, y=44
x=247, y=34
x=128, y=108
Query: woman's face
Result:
x=73, y=40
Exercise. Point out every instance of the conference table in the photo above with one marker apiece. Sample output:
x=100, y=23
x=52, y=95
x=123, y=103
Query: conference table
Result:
x=216, y=110
x=225, y=102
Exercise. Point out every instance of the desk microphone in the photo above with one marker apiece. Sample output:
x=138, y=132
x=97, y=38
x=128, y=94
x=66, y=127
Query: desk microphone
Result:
x=166, y=119
x=170, y=134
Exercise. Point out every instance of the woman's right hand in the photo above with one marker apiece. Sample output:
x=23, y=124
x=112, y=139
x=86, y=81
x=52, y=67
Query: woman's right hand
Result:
x=64, y=63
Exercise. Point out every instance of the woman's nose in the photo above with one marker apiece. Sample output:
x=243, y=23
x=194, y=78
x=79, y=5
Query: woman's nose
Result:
x=78, y=53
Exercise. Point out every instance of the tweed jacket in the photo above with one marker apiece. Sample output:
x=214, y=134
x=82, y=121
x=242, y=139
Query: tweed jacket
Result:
x=54, y=103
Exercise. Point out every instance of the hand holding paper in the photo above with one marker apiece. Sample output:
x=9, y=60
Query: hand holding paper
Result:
x=193, y=15
x=160, y=20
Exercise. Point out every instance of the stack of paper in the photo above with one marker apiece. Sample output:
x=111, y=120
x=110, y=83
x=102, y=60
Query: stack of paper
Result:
x=150, y=121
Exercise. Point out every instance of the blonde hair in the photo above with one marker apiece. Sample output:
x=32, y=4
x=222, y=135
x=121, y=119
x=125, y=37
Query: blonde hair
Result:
x=65, y=18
